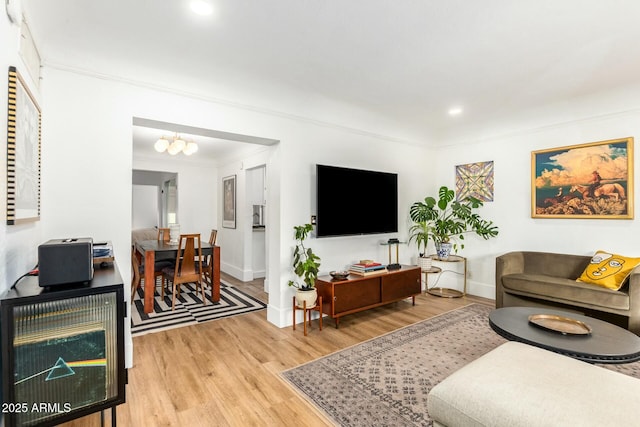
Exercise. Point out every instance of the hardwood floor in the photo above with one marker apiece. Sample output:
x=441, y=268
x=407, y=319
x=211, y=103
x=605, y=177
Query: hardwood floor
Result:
x=225, y=372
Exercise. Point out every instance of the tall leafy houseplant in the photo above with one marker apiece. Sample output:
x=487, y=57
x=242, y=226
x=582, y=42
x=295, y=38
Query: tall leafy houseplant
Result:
x=306, y=265
x=420, y=232
x=450, y=220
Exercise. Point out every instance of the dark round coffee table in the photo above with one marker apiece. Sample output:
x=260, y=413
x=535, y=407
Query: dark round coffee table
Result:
x=606, y=343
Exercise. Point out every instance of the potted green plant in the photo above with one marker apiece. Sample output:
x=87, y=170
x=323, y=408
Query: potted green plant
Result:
x=449, y=220
x=420, y=232
x=305, y=265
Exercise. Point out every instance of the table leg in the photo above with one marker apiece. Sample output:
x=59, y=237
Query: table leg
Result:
x=149, y=280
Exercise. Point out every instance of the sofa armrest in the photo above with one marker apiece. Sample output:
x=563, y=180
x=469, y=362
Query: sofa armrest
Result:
x=634, y=300
x=509, y=263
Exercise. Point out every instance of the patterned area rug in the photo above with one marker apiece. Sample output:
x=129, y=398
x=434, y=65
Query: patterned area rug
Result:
x=189, y=308
x=385, y=381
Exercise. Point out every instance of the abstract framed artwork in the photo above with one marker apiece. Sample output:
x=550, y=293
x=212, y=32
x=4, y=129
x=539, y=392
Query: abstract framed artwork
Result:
x=475, y=180
x=229, y=202
x=23, y=152
x=593, y=180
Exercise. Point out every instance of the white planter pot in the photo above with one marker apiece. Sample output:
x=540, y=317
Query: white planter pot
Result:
x=309, y=296
x=425, y=263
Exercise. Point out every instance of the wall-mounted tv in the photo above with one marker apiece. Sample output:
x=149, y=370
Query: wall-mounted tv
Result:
x=355, y=201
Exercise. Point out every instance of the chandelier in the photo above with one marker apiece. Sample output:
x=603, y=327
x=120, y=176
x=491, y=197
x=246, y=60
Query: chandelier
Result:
x=174, y=145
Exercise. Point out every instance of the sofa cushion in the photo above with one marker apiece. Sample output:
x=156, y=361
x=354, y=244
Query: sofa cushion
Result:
x=141, y=234
x=565, y=290
x=608, y=270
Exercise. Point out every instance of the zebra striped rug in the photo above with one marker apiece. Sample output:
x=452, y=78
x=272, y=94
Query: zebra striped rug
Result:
x=189, y=308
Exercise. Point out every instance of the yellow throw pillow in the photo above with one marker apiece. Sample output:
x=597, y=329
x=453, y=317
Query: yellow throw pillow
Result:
x=608, y=270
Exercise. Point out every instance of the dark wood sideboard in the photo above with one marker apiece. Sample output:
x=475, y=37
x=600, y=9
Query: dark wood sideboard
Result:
x=358, y=293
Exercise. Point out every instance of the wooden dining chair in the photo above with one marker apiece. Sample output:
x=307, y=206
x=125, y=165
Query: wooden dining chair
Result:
x=163, y=235
x=188, y=267
x=207, y=264
x=136, y=277
x=138, y=272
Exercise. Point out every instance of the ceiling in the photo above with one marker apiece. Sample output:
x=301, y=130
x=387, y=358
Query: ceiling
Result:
x=213, y=146
x=388, y=67
x=214, y=150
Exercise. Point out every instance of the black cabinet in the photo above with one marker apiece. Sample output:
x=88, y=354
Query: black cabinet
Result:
x=62, y=349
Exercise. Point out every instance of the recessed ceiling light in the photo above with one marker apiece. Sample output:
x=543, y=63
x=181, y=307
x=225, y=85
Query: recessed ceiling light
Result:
x=201, y=7
x=455, y=111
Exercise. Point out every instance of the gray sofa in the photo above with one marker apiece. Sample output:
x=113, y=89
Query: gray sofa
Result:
x=543, y=279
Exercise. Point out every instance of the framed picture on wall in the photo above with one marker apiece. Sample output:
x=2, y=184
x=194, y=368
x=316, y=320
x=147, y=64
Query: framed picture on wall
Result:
x=475, y=180
x=593, y=180
x=229, y=202
x=23, y=152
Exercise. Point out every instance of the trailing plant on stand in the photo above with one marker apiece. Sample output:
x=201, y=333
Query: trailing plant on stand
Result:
x=306, y=265
x=449, y=220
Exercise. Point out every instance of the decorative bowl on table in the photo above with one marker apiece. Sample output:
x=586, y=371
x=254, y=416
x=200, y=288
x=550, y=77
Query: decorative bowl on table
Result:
x=339, y=275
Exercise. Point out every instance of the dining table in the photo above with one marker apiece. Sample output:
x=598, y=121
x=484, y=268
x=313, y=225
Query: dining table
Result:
x=150, y=250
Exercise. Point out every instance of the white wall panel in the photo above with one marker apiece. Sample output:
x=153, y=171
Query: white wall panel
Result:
x=511, y=208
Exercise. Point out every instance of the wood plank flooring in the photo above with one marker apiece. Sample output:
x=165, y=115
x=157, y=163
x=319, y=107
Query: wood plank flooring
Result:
x=225, y=372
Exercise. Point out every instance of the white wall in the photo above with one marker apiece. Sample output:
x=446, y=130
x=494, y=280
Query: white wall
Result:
x=19, y=247
x=511, y=209
x=145, y=211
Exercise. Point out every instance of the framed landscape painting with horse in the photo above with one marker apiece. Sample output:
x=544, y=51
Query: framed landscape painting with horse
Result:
x=593, y=180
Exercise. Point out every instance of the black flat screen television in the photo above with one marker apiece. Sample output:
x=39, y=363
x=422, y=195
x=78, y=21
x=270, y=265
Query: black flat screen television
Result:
x=355, y=201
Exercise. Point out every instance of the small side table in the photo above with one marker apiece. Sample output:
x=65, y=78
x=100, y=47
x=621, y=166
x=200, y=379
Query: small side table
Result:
x=306, y=313
x=447, y=292
x=426, y=272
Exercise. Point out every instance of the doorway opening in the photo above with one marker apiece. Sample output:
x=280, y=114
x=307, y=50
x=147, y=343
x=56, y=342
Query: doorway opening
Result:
x=154, y=199
x=220, y=154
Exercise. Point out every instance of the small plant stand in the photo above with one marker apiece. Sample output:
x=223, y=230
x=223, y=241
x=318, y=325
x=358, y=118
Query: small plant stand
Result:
x=307, y=313
x=447, y=292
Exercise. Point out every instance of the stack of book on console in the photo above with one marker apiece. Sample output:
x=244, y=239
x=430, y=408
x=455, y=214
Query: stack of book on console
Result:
x=367, y=267
x=102, y=250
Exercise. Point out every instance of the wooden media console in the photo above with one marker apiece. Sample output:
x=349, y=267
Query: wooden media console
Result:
x=357, y=293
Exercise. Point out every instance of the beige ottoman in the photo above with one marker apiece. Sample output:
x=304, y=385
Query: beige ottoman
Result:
x=520, y=385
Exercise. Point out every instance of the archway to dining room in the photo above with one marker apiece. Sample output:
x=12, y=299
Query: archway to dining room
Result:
x=199, y=178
